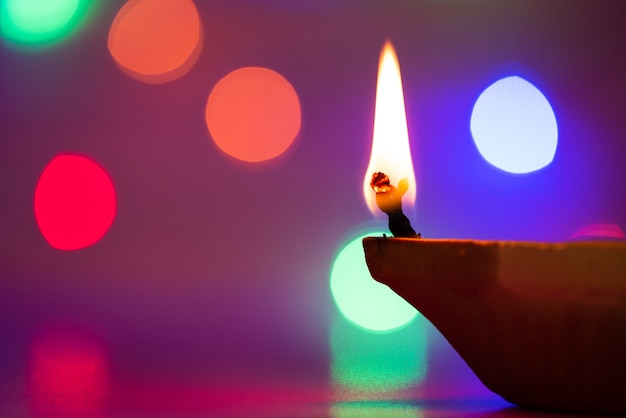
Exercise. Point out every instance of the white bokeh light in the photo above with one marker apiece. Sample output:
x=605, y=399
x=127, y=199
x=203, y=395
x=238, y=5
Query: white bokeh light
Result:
x=514, y=126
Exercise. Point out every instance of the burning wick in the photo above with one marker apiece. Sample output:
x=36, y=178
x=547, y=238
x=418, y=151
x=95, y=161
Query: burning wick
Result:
x=389, y=200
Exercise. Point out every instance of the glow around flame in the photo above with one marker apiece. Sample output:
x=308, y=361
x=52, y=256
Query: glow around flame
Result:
x=391, y=152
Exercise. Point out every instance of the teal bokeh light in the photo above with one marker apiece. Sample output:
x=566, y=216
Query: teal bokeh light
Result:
x=39, y=23
x=377, y=365
x=361, y=299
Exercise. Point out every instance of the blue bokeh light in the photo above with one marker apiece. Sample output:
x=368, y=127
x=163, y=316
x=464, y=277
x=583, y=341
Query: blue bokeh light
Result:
x=514, y=126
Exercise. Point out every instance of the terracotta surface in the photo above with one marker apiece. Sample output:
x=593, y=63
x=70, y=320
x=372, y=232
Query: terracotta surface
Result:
x=542, y=325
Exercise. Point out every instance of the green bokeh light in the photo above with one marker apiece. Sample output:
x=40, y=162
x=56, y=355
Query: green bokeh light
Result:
x=375, y=364
x=362, y=300
x=39, y=22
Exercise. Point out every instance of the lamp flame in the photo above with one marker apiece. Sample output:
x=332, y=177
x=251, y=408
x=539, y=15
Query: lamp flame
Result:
x=391, y=152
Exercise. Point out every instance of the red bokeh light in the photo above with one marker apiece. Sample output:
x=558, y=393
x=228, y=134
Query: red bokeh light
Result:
x=75, y=202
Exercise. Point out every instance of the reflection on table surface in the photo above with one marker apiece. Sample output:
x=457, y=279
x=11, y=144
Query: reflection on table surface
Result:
x=163, y=400
x=64, y=373
x=163, y=357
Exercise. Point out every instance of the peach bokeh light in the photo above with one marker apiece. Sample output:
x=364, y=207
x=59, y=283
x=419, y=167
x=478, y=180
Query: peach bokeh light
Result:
x=156, y=41
x=253, y=114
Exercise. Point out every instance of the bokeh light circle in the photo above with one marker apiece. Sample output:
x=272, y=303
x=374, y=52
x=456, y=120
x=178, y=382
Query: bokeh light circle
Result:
x=38, y=21
x=75, y=202
x=156, y=41
x=253, y=114
x=599, y=231
x=514, y=126
x=362, y=300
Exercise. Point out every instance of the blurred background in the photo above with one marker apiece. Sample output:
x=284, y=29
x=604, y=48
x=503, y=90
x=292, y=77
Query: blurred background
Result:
x=210, y=260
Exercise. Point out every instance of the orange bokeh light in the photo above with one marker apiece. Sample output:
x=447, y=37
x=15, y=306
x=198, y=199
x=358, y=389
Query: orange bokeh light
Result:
x=75, y=202
x=253, y=114
x=156, y=41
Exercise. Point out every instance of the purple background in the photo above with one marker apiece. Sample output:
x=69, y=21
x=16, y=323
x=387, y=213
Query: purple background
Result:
x=206, y=271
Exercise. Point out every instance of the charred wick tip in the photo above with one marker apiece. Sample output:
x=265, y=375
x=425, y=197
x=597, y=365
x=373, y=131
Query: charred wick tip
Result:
x=389, y=200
